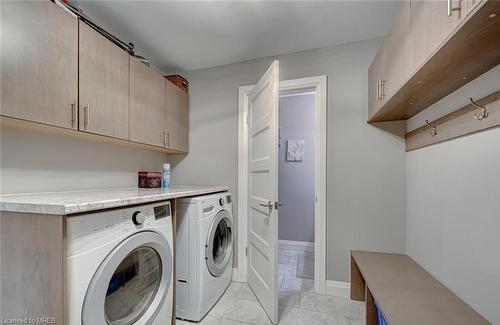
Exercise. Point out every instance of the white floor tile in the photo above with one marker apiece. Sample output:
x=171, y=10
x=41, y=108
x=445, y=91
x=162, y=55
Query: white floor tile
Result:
x=295, y=316
x=233, y=289
x=288, y=269
x=330, y=304
x=246, y=293
x=290, y=282
x=288, y=297
x=240, y=310
x=209, y=320
x=227, y=321
x=298, y=303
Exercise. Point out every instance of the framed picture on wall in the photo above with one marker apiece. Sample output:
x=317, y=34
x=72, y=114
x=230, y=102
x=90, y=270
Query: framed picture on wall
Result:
x=295, y=150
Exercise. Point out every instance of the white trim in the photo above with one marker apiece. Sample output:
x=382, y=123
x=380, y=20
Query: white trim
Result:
x=298, y=93
x=318, y=84
x=296, y=246
x=338, y=289
x=242, y=181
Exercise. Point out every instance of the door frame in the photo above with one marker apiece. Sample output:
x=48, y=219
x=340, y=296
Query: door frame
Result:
x=318, y=84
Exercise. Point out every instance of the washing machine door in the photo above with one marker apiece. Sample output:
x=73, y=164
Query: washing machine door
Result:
x=219, y=246
x=131, y=284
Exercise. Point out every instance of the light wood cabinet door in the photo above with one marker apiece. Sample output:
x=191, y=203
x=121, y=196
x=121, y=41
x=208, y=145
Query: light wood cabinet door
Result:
x=375, y=82
x=470, y=5
x=397, y=53
x=430, y=25
x=177, y=104
x=39, y=53
x=147, y=105
x=103, y=84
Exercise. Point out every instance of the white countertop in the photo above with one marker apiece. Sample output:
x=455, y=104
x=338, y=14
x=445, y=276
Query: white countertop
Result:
x=62, y=203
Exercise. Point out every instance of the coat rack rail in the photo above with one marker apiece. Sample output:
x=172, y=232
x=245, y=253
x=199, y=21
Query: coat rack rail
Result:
x=475, y=117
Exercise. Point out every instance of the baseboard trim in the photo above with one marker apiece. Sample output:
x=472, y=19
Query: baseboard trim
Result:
x=338, y=289
x=297, y=246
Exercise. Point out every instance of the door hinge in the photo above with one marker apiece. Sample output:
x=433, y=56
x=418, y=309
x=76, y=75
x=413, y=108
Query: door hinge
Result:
x=246, y=118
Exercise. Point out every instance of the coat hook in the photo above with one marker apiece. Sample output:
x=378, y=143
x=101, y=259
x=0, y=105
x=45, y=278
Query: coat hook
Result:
x=433, y=130
x=484, y=111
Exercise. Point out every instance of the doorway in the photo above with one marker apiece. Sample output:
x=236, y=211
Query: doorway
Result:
x=296, y=190
x=316, y=87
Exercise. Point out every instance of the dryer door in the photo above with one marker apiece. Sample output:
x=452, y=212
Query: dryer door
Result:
x=219, y=246
x=131, y=284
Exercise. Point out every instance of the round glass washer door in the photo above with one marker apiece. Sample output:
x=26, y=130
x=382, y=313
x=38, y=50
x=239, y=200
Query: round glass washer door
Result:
x=130, y=285
x=218, y=250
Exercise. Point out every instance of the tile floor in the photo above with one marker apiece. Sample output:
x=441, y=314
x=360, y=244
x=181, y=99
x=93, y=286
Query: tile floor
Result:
x=298, y=303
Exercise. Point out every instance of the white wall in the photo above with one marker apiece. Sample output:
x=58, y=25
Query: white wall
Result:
x=366, y=167
x=453, y=212
x=296, y=186
x=35, y=162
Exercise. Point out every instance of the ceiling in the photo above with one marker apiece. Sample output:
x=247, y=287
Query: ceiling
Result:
x=182, y=36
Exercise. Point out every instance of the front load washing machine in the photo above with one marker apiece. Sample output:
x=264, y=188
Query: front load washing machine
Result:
x=204, y=260
x=119, y=266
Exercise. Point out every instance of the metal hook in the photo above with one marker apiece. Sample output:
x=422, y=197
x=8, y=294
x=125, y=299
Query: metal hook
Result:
x=433, y=130
x=484, y=111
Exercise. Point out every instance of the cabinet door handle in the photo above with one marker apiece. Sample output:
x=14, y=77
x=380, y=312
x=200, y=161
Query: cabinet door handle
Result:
x=379, y=91
x=164, y=138
x=86, y=116
x=382, y=89
x=73, y=114
x=168, y=139
x=451, y=8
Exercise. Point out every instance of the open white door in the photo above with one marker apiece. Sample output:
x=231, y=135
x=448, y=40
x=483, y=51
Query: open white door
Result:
x=262, y=251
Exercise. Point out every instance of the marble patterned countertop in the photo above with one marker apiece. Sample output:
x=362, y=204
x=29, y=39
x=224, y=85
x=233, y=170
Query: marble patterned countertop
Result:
x=70, y=202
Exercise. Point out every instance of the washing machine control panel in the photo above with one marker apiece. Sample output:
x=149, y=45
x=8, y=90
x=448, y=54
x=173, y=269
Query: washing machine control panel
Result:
x=90, y=230
x=119, y=220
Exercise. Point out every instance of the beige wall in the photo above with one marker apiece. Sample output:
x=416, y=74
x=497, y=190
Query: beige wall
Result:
x=453, y=214
x=34, y=162
x=366, y=168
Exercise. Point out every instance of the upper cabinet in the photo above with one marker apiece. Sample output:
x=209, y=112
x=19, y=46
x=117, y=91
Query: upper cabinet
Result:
x=177, y=104
x=59, y=72
x=397, y=53
x=39, y=60
x=376, y=82
x=431, y=23
x=147, y=105
x=103, y=85
x=433, y=48
x=470, y=5
x=389, y=69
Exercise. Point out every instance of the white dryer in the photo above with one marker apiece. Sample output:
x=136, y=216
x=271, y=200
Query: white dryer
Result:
x=204, y=253
x=119, y=266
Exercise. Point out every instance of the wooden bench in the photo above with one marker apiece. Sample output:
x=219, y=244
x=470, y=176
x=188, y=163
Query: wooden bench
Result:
x=405, y=292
